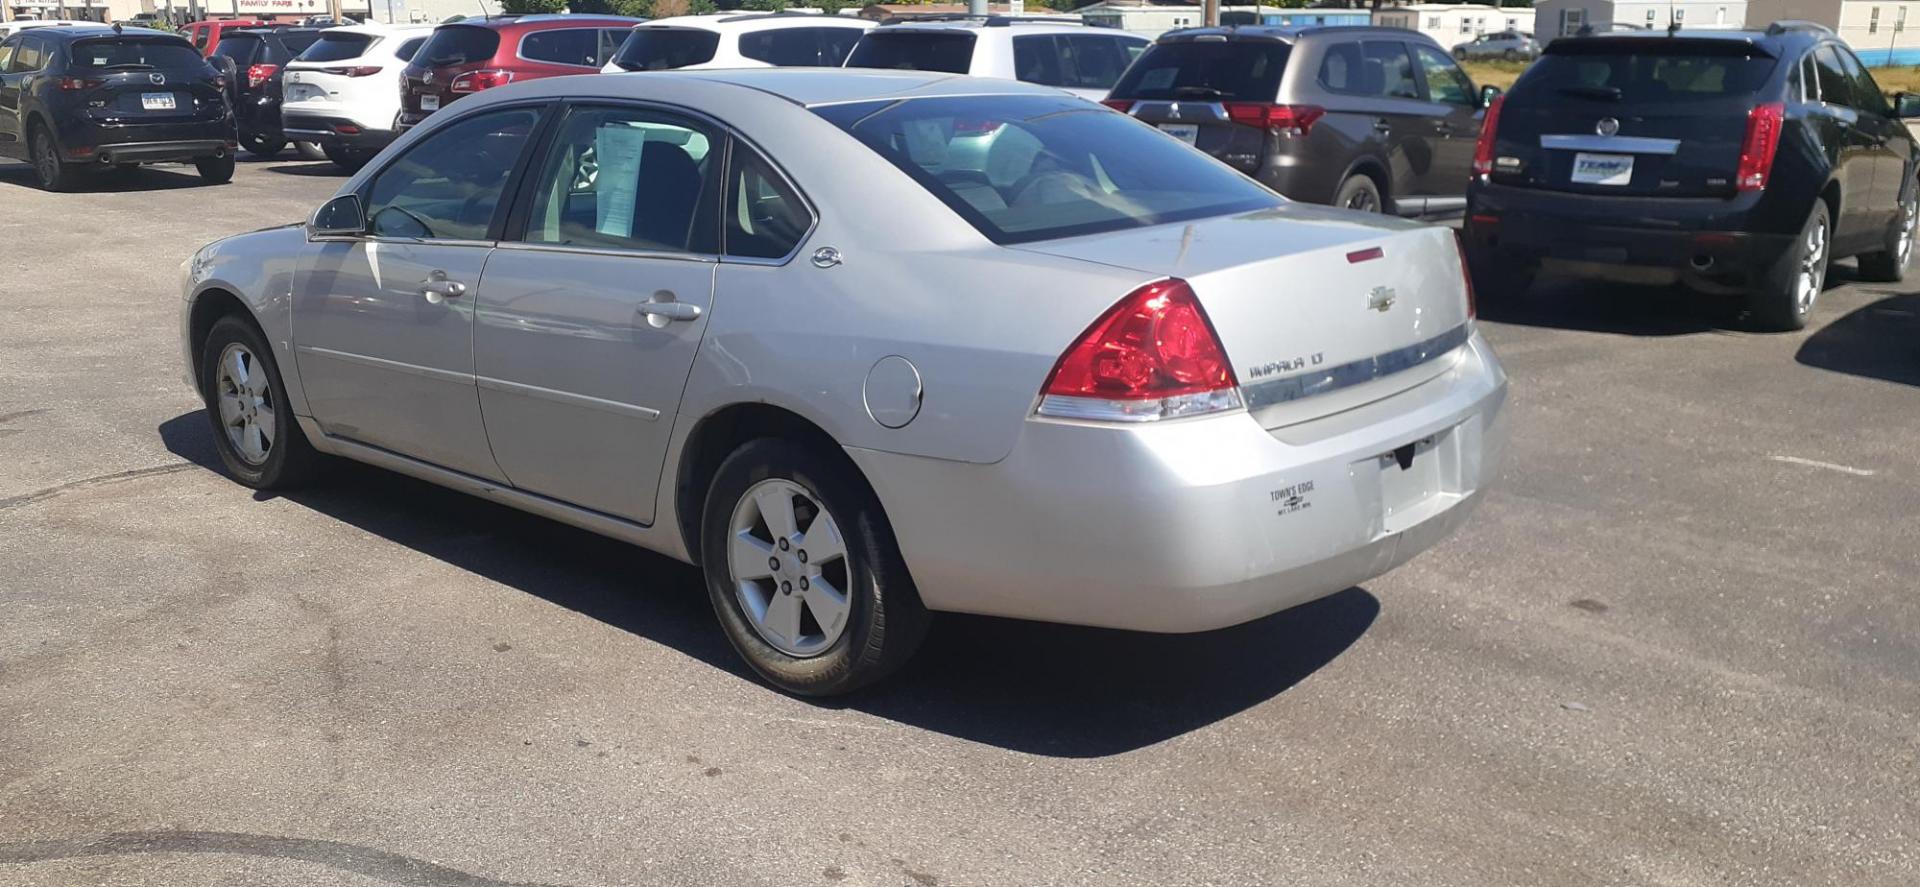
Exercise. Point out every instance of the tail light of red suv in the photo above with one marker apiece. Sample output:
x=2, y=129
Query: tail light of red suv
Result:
x=1154, y=355
x=475, y=81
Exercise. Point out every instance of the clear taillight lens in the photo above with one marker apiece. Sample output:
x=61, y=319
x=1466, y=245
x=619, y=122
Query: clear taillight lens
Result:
x=1152, y=356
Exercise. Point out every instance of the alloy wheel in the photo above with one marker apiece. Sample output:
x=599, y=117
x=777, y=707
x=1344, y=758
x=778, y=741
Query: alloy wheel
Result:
x=46, y=162
x=1813, y=268
x=1903, y=248
x=1363, y=200
x=245, y=401
x=789, y=567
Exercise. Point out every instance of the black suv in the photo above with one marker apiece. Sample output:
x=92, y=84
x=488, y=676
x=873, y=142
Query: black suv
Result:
x=1377, y=119
x=1740, y=161
x=255, y=60
x=83, y=97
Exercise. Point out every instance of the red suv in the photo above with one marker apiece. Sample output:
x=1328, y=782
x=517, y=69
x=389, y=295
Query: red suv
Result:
x=473, y=55
x=206, y=34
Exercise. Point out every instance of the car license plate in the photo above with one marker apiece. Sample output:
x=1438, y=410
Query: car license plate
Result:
x=1602, y=169
x=1186, y=132
x=429, y=103
x=300, y=92
x=157, y=101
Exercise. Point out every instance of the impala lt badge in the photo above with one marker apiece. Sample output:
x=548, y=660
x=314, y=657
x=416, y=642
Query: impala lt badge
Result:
x=1381, y=298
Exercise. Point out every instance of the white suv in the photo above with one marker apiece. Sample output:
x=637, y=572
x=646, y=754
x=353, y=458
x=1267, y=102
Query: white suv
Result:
x=1058, y=52
x=733, y=40
x=343, y=92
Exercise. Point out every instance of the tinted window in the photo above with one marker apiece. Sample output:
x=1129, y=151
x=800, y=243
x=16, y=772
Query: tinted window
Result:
x=1070, y=167
x=1866, y=93
x=1651, y=76
x=627, y=179
x=1376, y=68
x=409, y=48
x=1242, y=70
x=765, y=218
x=1445, y=81
x=1834, y=85
x=27, y=57
x=6, y=53
x=289, y=46
x=800, y=47
x=447, y=185
x=337, y=47
x=239, y=47
x=200, y=38
x=572, y=46
x=1073, y=61
x=458, y=45
x=131, y=54
x=659, y=49
x=948, y=51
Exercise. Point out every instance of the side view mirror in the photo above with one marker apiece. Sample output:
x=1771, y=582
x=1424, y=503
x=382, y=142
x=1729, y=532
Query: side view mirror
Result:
x=1488, y=94
x=339, y=217
x=1906, y=105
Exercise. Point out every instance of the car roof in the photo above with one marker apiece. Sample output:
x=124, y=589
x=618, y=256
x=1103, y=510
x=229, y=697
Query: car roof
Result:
x=378, y=30
x=81, y=32
x=268, y=32
x=543, y=22
x=1773, y=40
x=763, y=21
x=1011, y=24
x=812, y=87
x=1286, y=34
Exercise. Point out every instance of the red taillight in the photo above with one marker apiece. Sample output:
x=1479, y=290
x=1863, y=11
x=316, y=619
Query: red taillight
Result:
x=1121, y=105
x=1483, y=149
x=1466, y=276
x=1290, y=119
x=346, y=129
x=1152, y=356
x=1762, y=142
x=259, y=74
x=475, y=81
x=361, y=71
x=72, y=84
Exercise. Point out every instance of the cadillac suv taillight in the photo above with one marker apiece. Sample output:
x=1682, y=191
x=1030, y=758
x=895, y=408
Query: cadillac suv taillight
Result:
x=1483, y=148
x=1152, y=356
x=1757, y=149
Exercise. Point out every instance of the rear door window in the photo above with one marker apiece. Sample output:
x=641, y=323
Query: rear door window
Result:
x=626, y=178
x=569, y=46
x=946, y=50
x=1239, y=70
x=29, y=57
x=242, y=48
x=662, y=49
x=133, y=55
x=337, y=47
x=458, y=45
x=1373, y=68
x=1835, y=87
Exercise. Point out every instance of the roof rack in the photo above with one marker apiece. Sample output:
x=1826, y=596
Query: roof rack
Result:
x=991, y=21
x=1785, y=25
x=754, y=16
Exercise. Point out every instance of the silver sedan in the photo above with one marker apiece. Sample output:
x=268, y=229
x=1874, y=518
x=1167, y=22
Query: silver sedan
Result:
x=866, y=346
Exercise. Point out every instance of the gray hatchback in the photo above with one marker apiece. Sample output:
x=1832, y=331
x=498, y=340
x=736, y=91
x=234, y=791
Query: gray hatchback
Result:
x=1377, y=119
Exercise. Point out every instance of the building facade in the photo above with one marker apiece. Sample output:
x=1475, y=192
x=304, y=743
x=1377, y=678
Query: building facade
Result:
x=1880, y=33
x=1152, y=20
x=1449, y=24
x=1564, y=18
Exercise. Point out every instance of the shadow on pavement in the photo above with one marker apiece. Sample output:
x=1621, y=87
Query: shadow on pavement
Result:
x=1604, y=307
x=1878, y=341
x=325, y=169
x=166, y=177
x=1031, y=687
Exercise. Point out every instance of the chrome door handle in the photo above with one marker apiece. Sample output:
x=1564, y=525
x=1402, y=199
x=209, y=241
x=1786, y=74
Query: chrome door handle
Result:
x=437, y=287
x=663, y=309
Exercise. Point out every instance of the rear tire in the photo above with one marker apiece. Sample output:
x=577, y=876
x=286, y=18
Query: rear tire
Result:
x=254, y=431
x=347, y=158
x=1510, y=55
x=1786, y=296
x=1498, y=276
x=215, y=170
x=309, y=151
x=758, y=570
x=1890, y=264
x=1359, y=192
x=49, y=170
x=262, y=147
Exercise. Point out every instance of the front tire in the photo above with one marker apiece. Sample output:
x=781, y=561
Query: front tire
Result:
x=804, y=573
x=1786, y=296
x=48, y=169
x=1359, y=192
x=259, y=441
x=215, y=170
x=1890, y=264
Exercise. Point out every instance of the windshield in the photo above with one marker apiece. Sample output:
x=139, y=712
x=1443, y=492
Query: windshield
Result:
x=457, y=45
x=945, y=50
x=337, y=47
x=1244, y=70
x=133, y=54
x=1652, y=75
x=661, y=49
x=1027, y=168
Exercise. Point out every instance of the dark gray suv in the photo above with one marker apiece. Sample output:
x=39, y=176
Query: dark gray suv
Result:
x=1378, y=119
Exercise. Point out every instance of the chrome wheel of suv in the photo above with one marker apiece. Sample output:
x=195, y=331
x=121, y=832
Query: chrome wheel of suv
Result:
x=1813, y=267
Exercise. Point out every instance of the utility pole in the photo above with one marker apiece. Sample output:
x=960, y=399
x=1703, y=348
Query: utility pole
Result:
x=6, y=10
x=333, y=11
x=1210, y=13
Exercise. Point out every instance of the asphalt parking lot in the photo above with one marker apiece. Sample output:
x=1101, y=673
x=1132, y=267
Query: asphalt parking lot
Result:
x=1679, y=645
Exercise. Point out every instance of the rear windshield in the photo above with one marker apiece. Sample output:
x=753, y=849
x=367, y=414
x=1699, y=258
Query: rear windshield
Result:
x=1027, y=168
x=239, y=47
x=1240, y=70
x=947, y=51
x=337, y=47
x=1643, y=74
x=296, y=43
x=458, y=45
x=135, y=54
x=800, y=47
x=660, y=49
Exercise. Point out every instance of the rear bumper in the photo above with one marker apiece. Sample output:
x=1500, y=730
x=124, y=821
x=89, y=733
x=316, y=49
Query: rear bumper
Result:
x=325, y=129
x=1705, y=239
x=162, y=152
x=1200, y=524
x=77, y=134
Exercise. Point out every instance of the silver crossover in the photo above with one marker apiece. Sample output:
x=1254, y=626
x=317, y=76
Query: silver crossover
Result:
x=864, y=346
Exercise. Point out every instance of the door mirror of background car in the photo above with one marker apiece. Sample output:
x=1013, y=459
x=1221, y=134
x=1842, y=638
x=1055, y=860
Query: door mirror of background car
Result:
x=1488, y=94
x=1906, y=105
x=337, y=217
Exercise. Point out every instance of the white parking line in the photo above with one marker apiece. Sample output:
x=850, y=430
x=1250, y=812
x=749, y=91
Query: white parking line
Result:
x=1796, y=460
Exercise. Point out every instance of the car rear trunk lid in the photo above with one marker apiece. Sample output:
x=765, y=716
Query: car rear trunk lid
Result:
x=1185, y=88
x=1319, y=310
